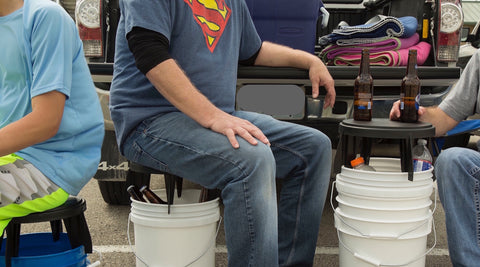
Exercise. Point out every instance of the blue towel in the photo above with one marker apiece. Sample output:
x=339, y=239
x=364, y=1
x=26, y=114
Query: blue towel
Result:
x=378, y=26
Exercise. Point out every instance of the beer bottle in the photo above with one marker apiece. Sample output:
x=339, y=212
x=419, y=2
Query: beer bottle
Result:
x=410, y=90
x=151, y=197
x=363, y=90
x=203, y=195
x=135, y=194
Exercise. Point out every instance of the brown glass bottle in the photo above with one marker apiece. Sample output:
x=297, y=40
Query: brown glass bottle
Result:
x=410, y=90
x=363, y=90
x=135, y=194
x=151, y=196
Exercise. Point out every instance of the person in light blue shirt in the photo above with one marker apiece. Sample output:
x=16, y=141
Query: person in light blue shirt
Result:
x=51, y=123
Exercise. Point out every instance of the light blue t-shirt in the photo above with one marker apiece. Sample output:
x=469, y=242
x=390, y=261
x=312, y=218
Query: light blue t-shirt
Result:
x=207, y=39
x=41, y=52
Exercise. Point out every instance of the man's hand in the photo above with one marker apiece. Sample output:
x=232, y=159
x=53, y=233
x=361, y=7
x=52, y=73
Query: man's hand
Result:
x=395, y=111
x=231, y=126
x=319, y=76
x=275, y=55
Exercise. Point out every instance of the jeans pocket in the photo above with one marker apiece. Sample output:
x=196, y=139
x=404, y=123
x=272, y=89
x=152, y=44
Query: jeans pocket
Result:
x=142, y=157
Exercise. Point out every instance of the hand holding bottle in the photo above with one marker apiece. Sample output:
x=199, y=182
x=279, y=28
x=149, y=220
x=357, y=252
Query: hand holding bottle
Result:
x=395, y=111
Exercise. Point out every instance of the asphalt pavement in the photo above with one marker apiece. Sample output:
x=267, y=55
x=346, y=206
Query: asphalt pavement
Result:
x=108, y=228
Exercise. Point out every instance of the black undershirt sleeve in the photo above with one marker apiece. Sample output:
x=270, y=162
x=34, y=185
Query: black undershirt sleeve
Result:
x=149, y=48
x=250, y=61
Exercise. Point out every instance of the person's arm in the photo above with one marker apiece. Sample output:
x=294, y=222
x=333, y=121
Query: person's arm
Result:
x=39, y=125
x=275, y=55
x=434, y=115
x=438, y=118
x=169, y=79
x=152, y=58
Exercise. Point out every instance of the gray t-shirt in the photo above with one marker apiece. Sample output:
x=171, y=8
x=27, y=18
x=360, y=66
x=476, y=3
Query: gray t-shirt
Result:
x=207, y=39
x=463, y=99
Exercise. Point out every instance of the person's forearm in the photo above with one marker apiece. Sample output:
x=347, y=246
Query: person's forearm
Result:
x=174, y=85
x=24, y=133
x=275, y=55
x=38, y=126
x=439, y=119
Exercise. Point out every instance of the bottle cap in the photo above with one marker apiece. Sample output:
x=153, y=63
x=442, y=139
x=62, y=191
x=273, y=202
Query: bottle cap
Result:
x=143, y=188
x=421, y=141
x=357, y=161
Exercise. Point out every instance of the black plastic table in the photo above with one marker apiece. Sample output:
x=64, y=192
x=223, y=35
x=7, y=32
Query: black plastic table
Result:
x=360, y=134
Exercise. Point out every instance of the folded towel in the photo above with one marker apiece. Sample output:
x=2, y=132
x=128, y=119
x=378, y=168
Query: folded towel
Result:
x=423, y=50
x=382, y=44
x=379, y=26
x=385, y=58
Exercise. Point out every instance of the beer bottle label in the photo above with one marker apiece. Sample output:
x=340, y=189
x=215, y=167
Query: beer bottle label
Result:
x=363, y=101
x=410, y=101
x=417, y=102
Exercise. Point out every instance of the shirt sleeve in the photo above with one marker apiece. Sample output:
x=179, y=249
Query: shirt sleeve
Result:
x=463, y=99
x=152, y=15
x=54, y=44
x=250, y=42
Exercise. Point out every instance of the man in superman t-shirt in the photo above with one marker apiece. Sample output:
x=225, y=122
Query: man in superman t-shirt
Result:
x=173, y=104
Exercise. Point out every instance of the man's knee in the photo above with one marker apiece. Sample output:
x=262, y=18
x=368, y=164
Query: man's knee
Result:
x=453, y=157
x=257, y=157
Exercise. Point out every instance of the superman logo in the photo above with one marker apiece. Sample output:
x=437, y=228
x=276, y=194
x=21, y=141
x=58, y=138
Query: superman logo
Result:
x=212, y=16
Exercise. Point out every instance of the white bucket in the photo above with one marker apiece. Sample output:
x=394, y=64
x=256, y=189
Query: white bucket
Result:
x=386, y=229
x=369, y=181
x=387, y=170
x=385, y=192
x=359, y=251
x=382, y=218
x=392, y=213
x=385, y=203
x=185, y=237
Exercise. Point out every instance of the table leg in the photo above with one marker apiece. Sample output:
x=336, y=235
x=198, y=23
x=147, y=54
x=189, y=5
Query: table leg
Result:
x=409, y=158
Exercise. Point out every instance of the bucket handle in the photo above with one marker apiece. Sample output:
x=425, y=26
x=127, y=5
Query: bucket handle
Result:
x=380, y=236
x=377, y=263
x=190, y=263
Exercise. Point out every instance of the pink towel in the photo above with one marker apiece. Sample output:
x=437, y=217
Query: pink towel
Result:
x=386, y=58
x=380, y=45
x=423, y=50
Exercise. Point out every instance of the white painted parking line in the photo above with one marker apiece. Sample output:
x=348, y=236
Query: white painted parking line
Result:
x=223, y=249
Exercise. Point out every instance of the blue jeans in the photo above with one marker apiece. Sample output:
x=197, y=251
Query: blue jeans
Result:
x=458, y=177
x=258, y=231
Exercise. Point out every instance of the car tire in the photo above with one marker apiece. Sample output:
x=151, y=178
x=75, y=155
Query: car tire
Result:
x=115, y=192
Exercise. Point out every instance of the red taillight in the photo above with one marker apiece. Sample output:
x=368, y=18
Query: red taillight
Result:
x=450, y=18
x=88, y=18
